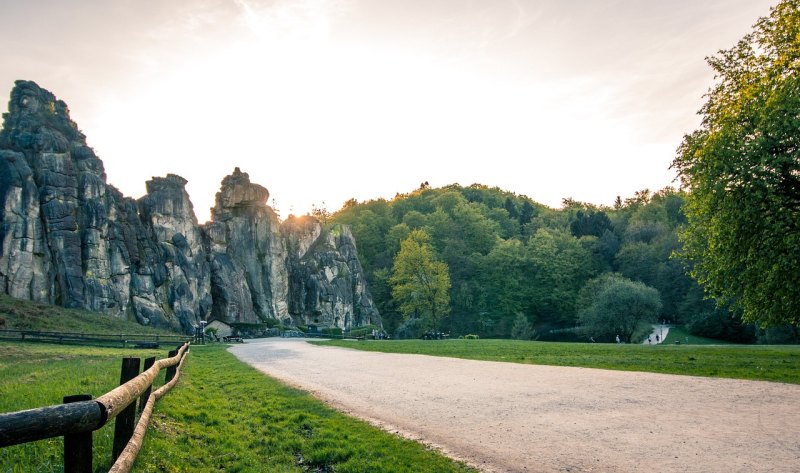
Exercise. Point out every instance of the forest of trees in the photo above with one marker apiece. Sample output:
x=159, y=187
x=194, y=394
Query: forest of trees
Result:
x=518, y=268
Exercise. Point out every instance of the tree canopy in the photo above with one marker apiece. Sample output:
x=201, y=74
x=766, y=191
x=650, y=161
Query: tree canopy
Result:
x=508, y=255
x=618, y=307
x=420, y=283
x=742, y=168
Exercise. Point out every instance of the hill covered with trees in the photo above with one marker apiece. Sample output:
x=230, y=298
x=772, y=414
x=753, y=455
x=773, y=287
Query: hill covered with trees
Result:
x=518, y=268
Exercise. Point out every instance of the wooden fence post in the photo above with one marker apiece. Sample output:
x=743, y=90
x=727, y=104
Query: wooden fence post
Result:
x=148, y=362
x=170, y=369
x=124, y=423
x=78, y=447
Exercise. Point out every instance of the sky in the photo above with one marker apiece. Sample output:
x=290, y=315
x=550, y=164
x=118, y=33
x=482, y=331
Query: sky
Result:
x=321, y=101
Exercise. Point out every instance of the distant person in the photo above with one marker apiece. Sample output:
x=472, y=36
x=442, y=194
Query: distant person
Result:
x=657, y=339
x=617, y=338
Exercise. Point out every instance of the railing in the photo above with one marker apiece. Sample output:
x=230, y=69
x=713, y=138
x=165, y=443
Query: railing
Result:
x=79, y=416
x=97, y=338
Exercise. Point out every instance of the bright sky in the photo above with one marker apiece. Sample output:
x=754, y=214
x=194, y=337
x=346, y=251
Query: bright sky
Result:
x=324, y=100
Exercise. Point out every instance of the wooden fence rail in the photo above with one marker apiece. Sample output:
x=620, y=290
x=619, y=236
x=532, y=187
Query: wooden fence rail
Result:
x=79, y=416
x=81, y=337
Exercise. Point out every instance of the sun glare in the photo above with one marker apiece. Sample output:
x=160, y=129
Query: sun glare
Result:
x=282, y=92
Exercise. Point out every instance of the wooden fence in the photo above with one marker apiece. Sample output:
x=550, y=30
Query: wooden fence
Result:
x=79, y=416
x=124, y=340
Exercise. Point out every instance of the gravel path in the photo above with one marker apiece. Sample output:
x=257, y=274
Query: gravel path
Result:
x=506, y=417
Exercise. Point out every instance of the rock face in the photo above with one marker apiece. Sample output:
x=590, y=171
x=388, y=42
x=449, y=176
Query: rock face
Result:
x=71, y=239
x=244, y=244
x=326, y=281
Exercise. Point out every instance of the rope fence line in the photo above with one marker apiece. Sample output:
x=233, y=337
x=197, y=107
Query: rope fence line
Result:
x=128, y=456
x=79, y=416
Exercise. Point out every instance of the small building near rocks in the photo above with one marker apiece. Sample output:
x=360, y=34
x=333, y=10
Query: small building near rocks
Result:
x=222, y=329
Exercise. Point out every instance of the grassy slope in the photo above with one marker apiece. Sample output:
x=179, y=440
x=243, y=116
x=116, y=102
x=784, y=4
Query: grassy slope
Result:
x=36, y=375
x=222, y=416
x=678, y=334
x=26, y=315
x=771, y=363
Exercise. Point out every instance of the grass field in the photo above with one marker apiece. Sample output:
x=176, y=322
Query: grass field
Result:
x=27, y=315
x=759, y=362
x=222, y=416
x=678, y=334
x=37, y=375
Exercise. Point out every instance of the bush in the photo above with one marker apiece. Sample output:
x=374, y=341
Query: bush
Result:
x=411, y=328
x=363, y=331
x=273, y=323
x=335, y=331
x=522, y=329
x=211, y=332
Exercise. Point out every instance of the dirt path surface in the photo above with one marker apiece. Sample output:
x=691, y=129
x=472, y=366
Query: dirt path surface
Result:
x=506, y=417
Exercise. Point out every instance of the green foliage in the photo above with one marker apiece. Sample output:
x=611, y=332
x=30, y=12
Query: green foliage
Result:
x=420, y=283
x=743, y=169
x=619, y=307
x=410, y=328
x=506, y=254
x=522, y=329
x=362, y=331
x=768, y=363
x=335, y=331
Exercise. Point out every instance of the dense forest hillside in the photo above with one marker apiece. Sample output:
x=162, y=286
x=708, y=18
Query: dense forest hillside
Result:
x=513, y=262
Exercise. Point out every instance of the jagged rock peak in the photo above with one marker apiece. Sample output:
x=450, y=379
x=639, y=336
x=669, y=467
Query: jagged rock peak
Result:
x=32, y=108
x=171, y=181
x=237, y=192
x=67, y=237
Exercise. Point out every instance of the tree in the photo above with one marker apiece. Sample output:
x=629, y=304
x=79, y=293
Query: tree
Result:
x=742, y=168
x=321, y=213
x=618, y=306
x=522, y=329
x=420, y=283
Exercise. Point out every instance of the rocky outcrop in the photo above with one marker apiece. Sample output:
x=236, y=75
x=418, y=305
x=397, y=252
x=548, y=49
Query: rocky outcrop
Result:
x=245, y=245
x=326, y=281
x=71, y=239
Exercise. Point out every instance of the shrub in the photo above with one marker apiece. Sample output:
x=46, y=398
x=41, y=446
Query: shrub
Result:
x=335, y=331
x=363, y=331
x=411, y=328
x=522, y=329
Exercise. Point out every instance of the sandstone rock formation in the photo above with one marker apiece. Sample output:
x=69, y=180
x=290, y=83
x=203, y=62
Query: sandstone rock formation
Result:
x=69, y=238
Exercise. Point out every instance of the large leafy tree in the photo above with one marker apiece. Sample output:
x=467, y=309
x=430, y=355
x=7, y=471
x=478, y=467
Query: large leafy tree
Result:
x=742, y=167
x=420, y=283
x=618, y=307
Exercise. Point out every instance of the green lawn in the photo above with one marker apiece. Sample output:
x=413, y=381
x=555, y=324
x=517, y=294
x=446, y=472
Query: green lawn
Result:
x=37, y=375
x=222, y=416
x=760, y=362
x=678, y=334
